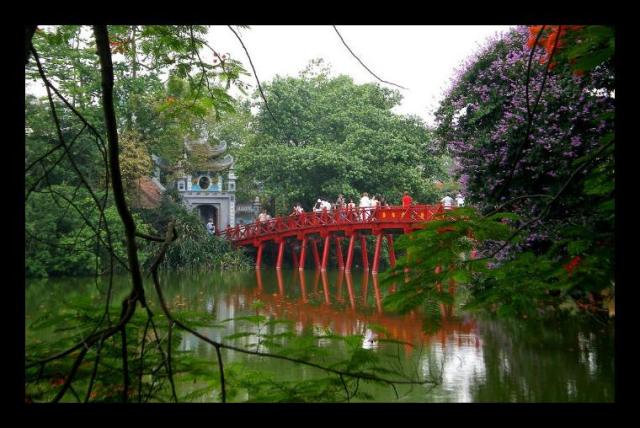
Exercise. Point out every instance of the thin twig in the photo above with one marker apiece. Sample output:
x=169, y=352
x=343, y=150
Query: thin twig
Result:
x=264, y=98
x=362, y=63
x=53, y=149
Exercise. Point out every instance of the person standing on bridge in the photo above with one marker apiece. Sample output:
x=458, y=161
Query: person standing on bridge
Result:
x=460, y=200
x=365, y=204
x=263, y=217
x=447, y=202
x=406, y=200
x=351, y=209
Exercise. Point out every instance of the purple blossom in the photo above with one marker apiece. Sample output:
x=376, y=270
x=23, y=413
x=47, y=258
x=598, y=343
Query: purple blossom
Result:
x=575, y=141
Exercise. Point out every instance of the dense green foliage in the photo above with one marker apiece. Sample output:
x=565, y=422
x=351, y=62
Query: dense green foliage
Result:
x=332, y=136
x=154, y=117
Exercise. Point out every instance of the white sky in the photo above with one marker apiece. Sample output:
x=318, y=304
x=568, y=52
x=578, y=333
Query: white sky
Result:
x=420, y=58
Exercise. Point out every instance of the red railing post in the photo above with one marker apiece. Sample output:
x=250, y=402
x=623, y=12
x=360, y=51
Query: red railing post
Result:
x=303, y=253
x=376, y=254
x=365, y=256
x=325, y=252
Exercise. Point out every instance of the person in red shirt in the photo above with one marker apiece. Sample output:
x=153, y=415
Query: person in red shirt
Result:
x=406, y=200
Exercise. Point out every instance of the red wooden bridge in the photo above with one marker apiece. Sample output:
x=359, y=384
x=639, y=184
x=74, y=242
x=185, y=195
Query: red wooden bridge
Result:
x=328, y=226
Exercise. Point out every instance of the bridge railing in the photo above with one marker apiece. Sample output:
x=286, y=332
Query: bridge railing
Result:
x=336, y=217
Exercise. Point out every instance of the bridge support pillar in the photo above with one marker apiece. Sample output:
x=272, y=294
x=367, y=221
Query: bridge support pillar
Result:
x=352, y=240
x=365, y=256
x=339, y=253
x=303, y=253
x=376, y=254
x=259, y=258
x=280, y=254
x=325, y=253
x=294, y=255
x=314, y=250
x=392, y=253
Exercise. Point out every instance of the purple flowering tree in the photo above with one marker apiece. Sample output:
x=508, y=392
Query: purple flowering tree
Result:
x=537, y=141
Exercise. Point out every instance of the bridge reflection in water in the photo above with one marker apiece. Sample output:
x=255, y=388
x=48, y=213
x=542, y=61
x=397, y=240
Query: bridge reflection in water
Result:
x=340, y=307
x=341, y=303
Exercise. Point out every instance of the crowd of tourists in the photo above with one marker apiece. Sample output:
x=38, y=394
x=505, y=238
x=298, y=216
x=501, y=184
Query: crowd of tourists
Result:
x=366, y=204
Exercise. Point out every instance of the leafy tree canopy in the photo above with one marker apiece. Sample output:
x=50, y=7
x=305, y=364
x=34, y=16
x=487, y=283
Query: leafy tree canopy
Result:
x=333, y=136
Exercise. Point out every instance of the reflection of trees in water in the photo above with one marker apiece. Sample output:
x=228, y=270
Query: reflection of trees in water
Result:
x=478, y=360
x=528, y=360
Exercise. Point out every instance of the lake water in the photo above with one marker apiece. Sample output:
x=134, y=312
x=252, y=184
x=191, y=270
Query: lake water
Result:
x=474, y=358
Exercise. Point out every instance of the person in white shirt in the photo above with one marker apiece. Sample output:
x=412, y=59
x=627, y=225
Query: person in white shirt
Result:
x=365, y=204
x=447, y=201
x=460, y=200
x=263, y=217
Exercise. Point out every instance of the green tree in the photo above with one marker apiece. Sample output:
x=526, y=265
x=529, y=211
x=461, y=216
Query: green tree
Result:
x=328, y=135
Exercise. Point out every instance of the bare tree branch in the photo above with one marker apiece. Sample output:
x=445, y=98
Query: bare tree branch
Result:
x=264, y=98
x=104, y=52
x=362, y=63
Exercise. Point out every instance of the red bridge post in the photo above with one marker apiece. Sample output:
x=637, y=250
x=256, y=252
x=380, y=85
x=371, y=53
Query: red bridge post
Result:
x=280, y=254
x=352, y=240
x=339, y=253
x=259, y=258
x=376, y=254
x=303, y=253
x=314, y=250
x=325, y=252
x=365, y=256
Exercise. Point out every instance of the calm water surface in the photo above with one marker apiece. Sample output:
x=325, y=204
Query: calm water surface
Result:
x=476, y=358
